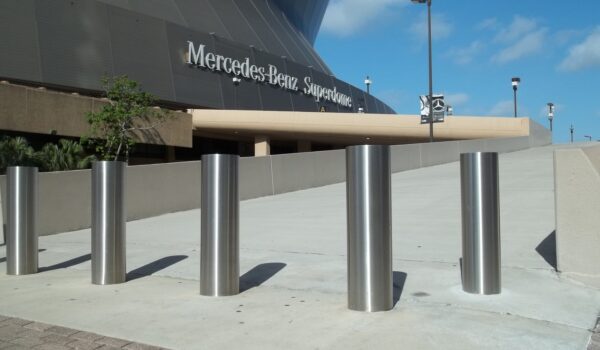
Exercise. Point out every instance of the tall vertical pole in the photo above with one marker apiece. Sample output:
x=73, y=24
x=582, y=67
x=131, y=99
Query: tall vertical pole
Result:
x=515, y=99
x=430, y=73
x=572, y=129
x=21, y=220
x=369, y=225
x=219, y=226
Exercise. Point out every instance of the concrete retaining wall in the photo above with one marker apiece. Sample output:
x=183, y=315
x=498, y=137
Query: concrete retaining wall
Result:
x=577, y=200
x=163, y=188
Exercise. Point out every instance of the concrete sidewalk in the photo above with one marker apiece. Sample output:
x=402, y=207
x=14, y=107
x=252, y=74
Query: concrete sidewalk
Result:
x=293, y=260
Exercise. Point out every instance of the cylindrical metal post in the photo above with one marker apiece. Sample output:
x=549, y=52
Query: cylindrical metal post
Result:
x=21, y=220
x=219, y=226
x=108, y=222
x=368, y=177
x=480, y=223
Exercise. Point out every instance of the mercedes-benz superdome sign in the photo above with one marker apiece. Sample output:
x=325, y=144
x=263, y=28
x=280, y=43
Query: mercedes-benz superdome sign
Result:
x=439, y=108
x=198, y=56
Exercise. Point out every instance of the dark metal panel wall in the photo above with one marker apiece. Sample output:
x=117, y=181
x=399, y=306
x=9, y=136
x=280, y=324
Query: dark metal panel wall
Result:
x=306, y=15
x=238, y=96
x=193, y=86
x=325, y=81
x=80, y=41
x=273, y=97
x=19, y=51
x=139, y=50
x=201, y=16
x=276, y=21
x=235, y=23
x=167, y=9
x=300, y=101
x=74, y=38
x=261, y=28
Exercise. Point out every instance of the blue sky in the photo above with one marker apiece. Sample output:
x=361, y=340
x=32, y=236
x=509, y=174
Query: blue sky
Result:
x=478, y=46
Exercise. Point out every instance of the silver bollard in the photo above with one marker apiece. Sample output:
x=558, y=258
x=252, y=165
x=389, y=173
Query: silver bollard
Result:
x=21, y=220
x=108, y=222
x=480, y=223
x=219, y=225
x=368, y=191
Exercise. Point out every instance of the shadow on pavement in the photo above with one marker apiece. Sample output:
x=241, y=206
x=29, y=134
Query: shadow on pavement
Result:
x=259, y=275
x=399, y=279
x=155, y=266
x=547, y=249
x=63, y=265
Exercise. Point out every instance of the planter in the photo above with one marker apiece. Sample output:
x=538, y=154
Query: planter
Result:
x=108, y=222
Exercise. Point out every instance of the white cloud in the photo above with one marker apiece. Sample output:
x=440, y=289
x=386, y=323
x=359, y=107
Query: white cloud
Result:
x=528, y=45
x=488, y=23
x=457, y=99
x=347, y=17
x=583, y=55
x=465, y=55
x=563, y=37
x=519, y=27
x=502, y=109
x=440, y=27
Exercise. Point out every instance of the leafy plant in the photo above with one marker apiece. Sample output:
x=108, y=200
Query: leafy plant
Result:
x=15, y=151
x=114, y=129
x=67, y=155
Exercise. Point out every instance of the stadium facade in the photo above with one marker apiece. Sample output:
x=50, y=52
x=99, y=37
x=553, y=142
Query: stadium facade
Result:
x=243, y=76
x=220, y=54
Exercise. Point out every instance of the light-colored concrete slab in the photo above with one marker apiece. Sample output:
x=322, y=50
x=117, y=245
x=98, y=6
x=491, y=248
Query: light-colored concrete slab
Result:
x=293, y=260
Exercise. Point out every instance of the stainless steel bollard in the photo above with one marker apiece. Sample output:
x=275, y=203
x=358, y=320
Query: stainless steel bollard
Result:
x=480, y=223
x=368, y=191
x=219, y=225
x=108, y=222
x=21, y=220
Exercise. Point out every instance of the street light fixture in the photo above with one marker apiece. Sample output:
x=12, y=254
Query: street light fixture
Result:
x=428, y=2
x=572, y=130
x=368, y=83
x=550, y=114
x=515, y=86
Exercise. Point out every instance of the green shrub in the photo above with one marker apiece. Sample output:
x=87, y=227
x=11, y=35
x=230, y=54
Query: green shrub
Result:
x=16, y=151
x=67, y=155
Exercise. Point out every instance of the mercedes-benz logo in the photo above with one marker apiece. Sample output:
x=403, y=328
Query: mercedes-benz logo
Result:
x=439, y=105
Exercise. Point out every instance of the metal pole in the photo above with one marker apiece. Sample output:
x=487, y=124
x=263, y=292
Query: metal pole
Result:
x=572, y=129
x=108, y=222
x=369, y=228
x=480, y=223
x=550, y=125
x=219, y=225
x=21, y=220
x=515, y=99
x=430, y=73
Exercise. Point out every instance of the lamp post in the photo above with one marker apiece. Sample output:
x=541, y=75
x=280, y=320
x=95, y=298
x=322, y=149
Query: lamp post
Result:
x=572, y=129
x=515, y=86
x=428, y=2
x=588, y=137
x=368, y=83
x=550, y=114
